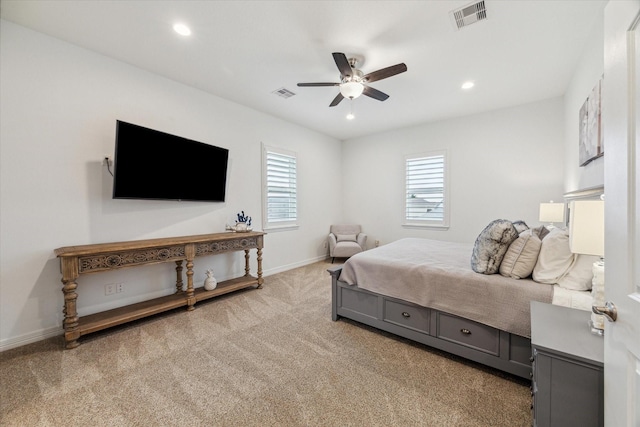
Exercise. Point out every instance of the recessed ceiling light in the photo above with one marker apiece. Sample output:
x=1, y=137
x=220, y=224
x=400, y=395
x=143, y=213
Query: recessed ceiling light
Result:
x=467, y=85
x=182, y=29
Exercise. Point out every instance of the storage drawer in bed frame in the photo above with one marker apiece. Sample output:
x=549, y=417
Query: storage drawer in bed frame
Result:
x=468, y=333
x=456, y=335
x=409, y=316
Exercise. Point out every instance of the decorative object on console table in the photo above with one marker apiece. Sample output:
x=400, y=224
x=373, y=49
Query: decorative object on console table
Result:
x=243, y=223
x=587, y=237
x=210, y=282
x=551, y=212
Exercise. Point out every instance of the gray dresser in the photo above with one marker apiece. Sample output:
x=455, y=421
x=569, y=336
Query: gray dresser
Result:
x=568, y=370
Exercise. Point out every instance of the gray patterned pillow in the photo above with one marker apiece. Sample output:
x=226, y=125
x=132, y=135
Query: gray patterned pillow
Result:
x=520, y=226
x=491, y=245
x=540, y=231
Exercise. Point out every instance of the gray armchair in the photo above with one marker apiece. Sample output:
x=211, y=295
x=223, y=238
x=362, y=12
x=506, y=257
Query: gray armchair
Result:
x=345, y=241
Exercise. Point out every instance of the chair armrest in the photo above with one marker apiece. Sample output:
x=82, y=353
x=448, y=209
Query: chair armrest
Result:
x=362, y=241
x=332, y=242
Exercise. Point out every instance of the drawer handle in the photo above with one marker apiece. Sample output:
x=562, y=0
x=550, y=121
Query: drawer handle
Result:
x=405, y=314
x=465, y=331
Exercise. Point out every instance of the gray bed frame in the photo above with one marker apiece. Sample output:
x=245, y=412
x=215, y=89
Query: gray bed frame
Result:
x=456, y=335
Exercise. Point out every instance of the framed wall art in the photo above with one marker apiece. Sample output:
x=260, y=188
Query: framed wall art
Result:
x=590, y=134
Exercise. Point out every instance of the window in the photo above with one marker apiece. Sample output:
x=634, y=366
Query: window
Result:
x=426, y=198
x=279, y=191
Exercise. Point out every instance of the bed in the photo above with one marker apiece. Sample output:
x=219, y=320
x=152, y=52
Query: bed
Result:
x=426, y=291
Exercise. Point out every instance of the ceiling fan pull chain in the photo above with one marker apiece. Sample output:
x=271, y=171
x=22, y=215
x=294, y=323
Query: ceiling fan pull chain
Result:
x=350, y=116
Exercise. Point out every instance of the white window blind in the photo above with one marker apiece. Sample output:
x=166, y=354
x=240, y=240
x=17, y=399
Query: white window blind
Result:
x=280, y=188
x=425, y=190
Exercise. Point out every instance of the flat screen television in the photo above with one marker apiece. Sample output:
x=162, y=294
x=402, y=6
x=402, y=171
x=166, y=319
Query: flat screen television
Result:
x=150, y=164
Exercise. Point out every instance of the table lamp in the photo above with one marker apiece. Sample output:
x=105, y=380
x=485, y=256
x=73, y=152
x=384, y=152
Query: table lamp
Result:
x=551, y=212
x=586, y=236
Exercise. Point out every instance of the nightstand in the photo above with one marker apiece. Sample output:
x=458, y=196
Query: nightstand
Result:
x=568, y=368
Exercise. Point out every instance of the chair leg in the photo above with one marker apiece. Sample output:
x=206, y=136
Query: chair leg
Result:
x=333, y=259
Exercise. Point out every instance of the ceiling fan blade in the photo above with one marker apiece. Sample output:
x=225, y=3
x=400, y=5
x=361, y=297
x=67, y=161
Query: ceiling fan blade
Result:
x=343, y=64
x=384, y=73
x=374, y=93
x=336, y=100
x=317, y=84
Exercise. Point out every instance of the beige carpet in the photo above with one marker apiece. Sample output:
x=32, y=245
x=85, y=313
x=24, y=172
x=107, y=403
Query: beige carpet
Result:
x=268, y=357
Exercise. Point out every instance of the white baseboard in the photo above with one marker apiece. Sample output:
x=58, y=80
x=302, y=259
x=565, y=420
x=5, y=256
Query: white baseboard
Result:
x=31, y=337
x=287, y=267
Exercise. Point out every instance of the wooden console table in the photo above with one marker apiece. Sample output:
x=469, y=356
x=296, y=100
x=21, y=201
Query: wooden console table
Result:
x=77, y=260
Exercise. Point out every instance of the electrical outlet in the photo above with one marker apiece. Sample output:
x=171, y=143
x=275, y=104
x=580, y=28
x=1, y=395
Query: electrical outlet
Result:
x=119, y=287
x=110, y=289
x=377, y=243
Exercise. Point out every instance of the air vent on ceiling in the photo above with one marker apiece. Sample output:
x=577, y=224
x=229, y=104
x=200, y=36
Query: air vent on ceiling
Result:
x=468, y=15
x=285, y=93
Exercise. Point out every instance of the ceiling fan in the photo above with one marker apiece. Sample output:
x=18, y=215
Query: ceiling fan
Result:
x=353, y=81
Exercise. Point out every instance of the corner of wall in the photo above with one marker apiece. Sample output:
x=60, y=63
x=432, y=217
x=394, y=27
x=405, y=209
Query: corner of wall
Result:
x=588, y=71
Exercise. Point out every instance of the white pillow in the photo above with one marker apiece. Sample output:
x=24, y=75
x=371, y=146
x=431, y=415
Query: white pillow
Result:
x=346, y=238
x=555, y=257
x=521, y=257
x=580, y=274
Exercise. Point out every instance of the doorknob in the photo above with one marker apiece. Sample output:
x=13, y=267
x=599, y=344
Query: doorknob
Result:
x=608, y=310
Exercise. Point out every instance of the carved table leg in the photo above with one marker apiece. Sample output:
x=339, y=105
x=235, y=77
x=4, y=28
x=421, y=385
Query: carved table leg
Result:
x=179, y=276
x=246, y=262
x=260, y=280
x=190, y=252
x=71, y=319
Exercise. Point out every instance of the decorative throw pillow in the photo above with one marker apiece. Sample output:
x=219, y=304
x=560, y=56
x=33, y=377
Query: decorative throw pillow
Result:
x=522, y=255
x=346, y=238
x=555, y=257
x=541, y=231
x=580, y=274
x=491, y=245
x=520, y=226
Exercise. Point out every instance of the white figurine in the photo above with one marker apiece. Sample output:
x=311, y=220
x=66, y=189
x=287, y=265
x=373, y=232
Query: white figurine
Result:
x=210, y=282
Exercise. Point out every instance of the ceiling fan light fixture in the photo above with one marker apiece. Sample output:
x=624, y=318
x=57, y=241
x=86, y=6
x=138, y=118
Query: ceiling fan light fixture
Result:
x=468, y=85
x=182, y=29
x=351, y=90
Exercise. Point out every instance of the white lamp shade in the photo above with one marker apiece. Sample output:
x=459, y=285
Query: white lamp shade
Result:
x=551, y=212
x=351, y=89
x=586, y=225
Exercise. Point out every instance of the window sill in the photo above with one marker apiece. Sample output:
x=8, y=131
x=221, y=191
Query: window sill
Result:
x=440, y=227
x=277, y=228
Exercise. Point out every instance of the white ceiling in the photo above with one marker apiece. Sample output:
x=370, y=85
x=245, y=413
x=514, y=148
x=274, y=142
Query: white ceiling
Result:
x=244, y=50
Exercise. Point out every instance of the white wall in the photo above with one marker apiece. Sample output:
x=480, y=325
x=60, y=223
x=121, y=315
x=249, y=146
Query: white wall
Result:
x=589, y=70
x=502, y=164
x=58, y=111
